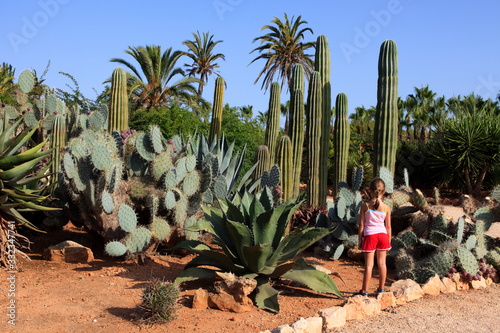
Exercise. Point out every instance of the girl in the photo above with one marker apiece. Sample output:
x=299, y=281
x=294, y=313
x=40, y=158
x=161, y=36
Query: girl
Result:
x=375, y=234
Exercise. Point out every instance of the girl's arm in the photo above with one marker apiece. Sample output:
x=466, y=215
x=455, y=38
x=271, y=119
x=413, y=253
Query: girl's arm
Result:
x=361, y=226
x=388, y=223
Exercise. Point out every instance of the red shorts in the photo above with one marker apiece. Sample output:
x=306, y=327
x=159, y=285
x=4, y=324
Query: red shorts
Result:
x=376, y=242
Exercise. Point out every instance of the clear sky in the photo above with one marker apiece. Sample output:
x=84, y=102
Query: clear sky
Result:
x=453, y=46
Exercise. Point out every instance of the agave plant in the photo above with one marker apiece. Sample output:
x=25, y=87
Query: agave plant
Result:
x=250, y=232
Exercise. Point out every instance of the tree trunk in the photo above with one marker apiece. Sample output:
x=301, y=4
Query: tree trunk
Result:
x=480, y=180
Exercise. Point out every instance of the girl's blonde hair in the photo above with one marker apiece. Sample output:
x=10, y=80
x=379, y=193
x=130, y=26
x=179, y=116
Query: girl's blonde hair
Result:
x=377, y=187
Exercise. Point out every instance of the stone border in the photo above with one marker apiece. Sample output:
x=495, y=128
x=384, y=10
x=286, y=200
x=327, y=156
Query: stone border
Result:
x=360, y=307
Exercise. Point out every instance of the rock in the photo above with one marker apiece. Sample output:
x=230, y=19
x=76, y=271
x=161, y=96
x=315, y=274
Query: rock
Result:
x=68, y=251
x=360, y=307
x=333, y=317
x=308, y=325
x=355, y=254
x=200, y=299
x=232, y=294
x=266, y=331
x=434, y=286
x=446, y=202
x=386, y=300
x=478, y=284
x=406, y=291
x=488, y=281
x=495, y=277
x=283, y=329
x=449, y=285
x=460, y=284
x=323, y=269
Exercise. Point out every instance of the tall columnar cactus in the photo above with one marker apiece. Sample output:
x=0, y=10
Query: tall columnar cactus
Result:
x=262, y=157
x=297, y=123
x=386, y=117
x=285, y=163
x=313, y=133
x=322, y=65
x=118, y=107
x=273, y=120
x=58, y=141
x=215, y=125
x=341, y=132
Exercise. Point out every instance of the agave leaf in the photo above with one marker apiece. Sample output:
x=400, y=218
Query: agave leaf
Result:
x=301, y=241
x=216, y=219
x=19, y=171
x=30, y=154
x=19, y=218
x=194, y=273
x=313, y=279
x=36, y=207
x=283, y=268
x=266, y=297
x=227, y=157
x=256, y=256
x=28, y=180
x=4, y=137
x=234, y=213
x=284, y=219
x=254, y=186
x=265, y=226
x=201, y=225
x=253, y=211
x=241, y=236
x=20, y=140
x=238, y=168
x=215, y=259
x=230, y=173
x=247, y=176
x=266, y=199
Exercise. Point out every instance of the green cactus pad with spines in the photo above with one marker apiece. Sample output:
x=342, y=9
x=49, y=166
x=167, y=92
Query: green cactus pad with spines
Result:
x=138, y=240
x=406, y=275
x=48, y=122
x=441, y=262
x=422, y=275
x=495, y=193
x=406, y=178
x=190, y=163
x=51, y=104
x=191, y=183
x=180, y=169
x=81, y=177
x=137, y=164
x=347, y=195
x=208, y=196
x=115, y=249
x=26, y=81
x=485, y=214
x=341, y=231
x=116, y=178
x=388, y=179
x=493, y=258
x=351, y=242
x=337, y=251
x=439, y=237
x=89, y=139
x=409, y=239
x=341, y=206
x=170, y=200
x=467, y=260
x=161, y=165
x=358, y=178
x=194, y=205
x=400, y=198
x=100, y=157
x=96, y=121
x=450, y=245
x=180, y=212
x=155, y=139
x=108, y=204
x=177, y=143
x=68, y=166
x=440, y=224
x=127, y=218
x=21, y=98
x=220, y=187
x=153, y=204
x=418, y=200
x=404, y=262
x=480, y=249
x=190, y=235
x=471, y=242
x=30, y=119
x=11, y=112
x=103, y=109
x=206, y=176
x=143, y=146
x=170, y=179
x=160, y=229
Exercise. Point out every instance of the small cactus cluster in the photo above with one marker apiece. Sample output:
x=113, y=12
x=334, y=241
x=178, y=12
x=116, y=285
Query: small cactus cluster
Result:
x=344, y=216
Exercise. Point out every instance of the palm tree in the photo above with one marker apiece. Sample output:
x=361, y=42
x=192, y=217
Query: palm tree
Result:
x=246, y=112
x=285, y=110
x=262, y=118
x=158, y=69
x=422, y=103
x=282, y=48
x=200, y=51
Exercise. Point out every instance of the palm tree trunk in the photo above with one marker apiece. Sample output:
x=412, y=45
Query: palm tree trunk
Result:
x=479, y=181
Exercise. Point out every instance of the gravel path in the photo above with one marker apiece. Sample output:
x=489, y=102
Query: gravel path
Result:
x=472, y=311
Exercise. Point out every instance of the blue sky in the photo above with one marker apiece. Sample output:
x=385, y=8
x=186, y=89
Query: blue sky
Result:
x=453, y=46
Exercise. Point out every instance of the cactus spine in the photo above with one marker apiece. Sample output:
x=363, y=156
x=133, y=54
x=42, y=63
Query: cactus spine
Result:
x=386, y=117
x=341, y=134
x=285, y=162
x=322, y=65
x=273, y=120
x=261, y=156
x=313, y=133
x=118, y=108
x=297, y=123
x=215, y=125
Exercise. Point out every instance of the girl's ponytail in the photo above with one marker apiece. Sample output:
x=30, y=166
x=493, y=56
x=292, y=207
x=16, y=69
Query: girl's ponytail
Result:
x=377, y=187
x=377, y=201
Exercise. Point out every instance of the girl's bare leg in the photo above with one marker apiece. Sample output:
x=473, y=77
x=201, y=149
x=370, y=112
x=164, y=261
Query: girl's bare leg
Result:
x=382, y=268
x=369, y=261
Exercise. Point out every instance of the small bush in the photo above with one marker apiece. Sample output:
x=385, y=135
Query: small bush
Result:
x=159, y=301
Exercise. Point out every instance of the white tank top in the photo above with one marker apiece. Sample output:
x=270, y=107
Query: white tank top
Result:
x=375, y=221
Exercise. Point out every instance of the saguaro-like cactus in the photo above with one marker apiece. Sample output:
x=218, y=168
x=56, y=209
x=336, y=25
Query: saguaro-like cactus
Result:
x=297, y=123
x=341, y=134
x=322, y=65
x=386, y=117
x=273, y=120
x=118, y=107
x=58, y=141
x=313, y=133
x=215, y=125
x=285, y=163
x=262, y=157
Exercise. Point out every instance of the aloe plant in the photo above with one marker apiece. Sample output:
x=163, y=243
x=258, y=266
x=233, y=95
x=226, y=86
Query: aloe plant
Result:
x=250, y=232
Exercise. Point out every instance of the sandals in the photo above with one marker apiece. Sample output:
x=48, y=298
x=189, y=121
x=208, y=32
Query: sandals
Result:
x=381, y=291
x=360, y=293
